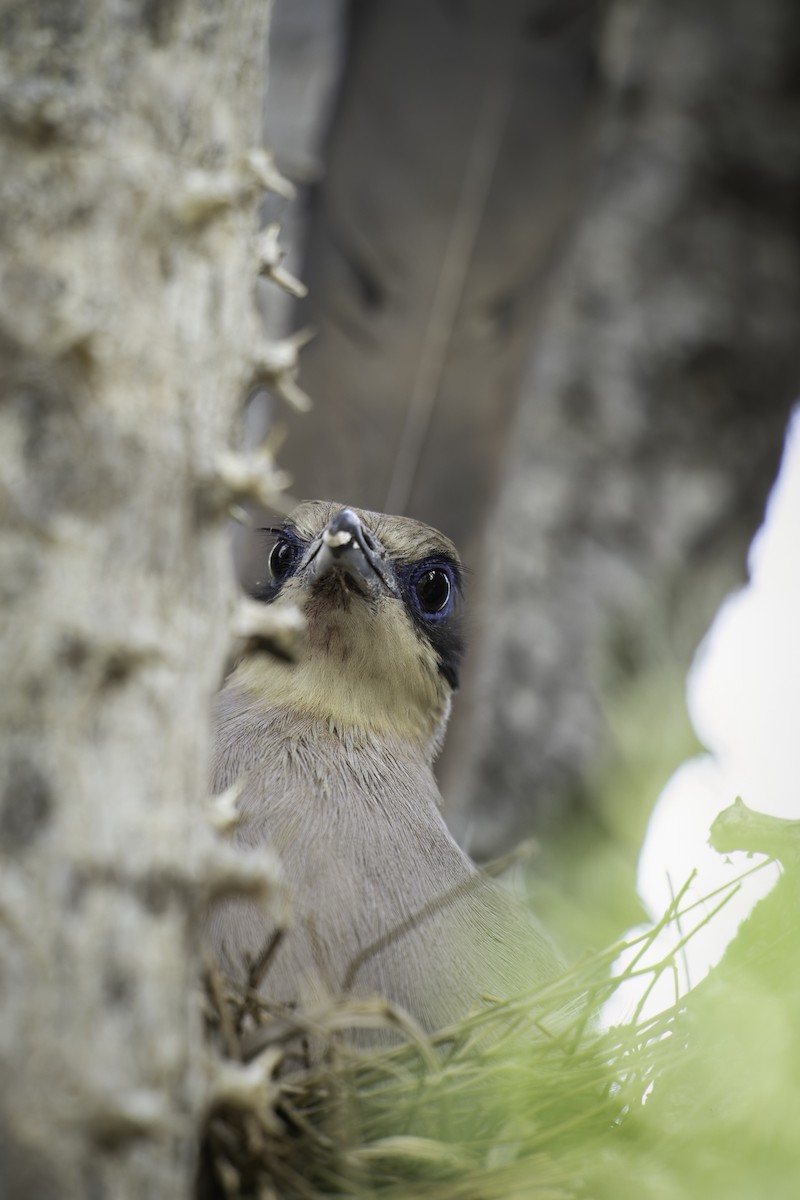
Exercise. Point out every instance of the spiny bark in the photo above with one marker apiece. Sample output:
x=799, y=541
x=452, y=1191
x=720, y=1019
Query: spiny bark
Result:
x=127, y=338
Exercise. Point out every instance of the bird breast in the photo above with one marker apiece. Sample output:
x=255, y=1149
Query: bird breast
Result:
x=384, y=901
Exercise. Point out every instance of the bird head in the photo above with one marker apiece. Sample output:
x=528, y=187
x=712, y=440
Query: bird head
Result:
x=381, y=598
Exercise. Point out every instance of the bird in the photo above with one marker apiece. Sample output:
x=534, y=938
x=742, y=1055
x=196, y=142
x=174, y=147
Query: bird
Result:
x=334, y=758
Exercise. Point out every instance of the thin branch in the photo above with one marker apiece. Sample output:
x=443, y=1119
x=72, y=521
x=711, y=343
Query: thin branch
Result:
x=478, y=174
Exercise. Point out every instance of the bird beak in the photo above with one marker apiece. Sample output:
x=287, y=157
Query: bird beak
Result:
x=345, y=545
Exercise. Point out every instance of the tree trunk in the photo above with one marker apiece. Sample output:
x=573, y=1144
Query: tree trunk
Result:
x=652, y=422
x=128, y=196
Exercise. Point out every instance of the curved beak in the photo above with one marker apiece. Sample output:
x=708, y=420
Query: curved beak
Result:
x=345, y=545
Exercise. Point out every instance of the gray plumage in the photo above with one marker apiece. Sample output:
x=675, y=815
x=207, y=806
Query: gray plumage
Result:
x=335, y=756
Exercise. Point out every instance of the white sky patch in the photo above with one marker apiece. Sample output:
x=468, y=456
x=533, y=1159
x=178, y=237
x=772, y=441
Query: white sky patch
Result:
x=744, y=701
x=744, y=689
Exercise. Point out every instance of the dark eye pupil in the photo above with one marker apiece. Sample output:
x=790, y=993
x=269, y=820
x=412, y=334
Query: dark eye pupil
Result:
x=433, y=590
x=281, y=559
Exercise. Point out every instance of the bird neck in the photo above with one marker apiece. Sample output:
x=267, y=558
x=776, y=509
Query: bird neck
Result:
x=410, y=718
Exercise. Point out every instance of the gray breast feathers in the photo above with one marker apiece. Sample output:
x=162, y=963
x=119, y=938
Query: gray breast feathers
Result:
x=384, y=901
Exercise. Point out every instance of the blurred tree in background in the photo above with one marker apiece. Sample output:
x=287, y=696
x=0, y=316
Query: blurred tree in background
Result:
x=553, y=260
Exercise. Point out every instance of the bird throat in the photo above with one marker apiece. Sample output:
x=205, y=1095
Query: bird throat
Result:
x=355, y=684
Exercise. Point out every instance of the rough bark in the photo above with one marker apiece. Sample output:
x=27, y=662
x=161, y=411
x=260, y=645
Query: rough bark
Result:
x=128, y=197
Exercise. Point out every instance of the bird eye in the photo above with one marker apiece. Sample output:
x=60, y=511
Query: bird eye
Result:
x=433, y=590
x=282, y=558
